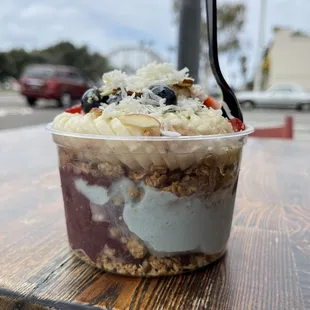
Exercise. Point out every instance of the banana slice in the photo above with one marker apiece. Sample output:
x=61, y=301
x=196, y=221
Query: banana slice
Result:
x=140, y=120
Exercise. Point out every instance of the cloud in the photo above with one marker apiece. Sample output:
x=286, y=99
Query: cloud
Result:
x=102, y=25
x=105, y=25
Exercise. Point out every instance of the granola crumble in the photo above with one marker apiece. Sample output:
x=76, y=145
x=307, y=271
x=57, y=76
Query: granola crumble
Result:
x=151, y=266
x=212, y=173
x=136, y=248
x=132, y=256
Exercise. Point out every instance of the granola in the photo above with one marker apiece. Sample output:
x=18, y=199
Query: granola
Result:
x=125, y=252
x=210, y=174
x=151, y=266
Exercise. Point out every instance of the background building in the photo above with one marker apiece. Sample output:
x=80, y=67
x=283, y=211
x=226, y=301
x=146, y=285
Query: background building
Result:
x=288, y=59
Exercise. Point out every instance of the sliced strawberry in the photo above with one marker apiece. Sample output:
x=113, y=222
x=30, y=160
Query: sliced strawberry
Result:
x=208, y=102
x=212, y=103
x=75, y=109
x=236, y=124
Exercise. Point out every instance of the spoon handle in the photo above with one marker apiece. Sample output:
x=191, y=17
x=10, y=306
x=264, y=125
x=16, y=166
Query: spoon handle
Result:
x=231, y=106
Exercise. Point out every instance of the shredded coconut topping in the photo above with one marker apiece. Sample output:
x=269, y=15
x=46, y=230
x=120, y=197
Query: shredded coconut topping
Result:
x=162, y=74
x=114, y=79
x=131, y=95
x=151, y=74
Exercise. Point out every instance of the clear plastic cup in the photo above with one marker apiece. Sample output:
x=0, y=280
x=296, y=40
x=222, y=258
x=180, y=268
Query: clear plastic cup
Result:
x=149, y=206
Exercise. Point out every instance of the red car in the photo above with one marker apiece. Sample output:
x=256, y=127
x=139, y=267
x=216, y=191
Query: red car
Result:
x=61, y=83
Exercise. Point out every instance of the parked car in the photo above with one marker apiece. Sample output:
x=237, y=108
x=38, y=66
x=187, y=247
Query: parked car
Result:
x=61, y=83
x=277, y=96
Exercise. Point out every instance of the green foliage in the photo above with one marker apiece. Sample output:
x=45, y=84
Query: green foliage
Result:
x=231, y=16
x=243, y=66
x=230, y=23
x=300, y=33
x=249, y=85
x=93, y=65
x=276, y=28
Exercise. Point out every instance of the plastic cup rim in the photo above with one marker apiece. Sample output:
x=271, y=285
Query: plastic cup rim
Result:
x=248, y=130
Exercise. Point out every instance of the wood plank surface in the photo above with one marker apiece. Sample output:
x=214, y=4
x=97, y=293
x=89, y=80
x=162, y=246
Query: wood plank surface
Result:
x=267, y=264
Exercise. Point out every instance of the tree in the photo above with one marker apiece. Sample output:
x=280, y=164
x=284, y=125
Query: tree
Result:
x=249, y=85
x=243, y=67
x=276, y=28
x=4, y=67
x=93, y=65
x=300, y=33
x=13, y=62
x=230, y=24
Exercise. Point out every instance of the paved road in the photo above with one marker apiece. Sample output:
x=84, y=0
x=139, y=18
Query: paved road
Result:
x=15, y=113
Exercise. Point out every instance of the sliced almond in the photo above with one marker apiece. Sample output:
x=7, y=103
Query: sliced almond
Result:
x=95, y=112
x=130, y=92
x=140, y=120
x=151, y=132
x=181, y=91
x=186, y=83
x=106, y=93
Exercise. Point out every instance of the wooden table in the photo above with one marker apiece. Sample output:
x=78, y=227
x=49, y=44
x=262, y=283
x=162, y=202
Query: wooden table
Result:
x=267, y=265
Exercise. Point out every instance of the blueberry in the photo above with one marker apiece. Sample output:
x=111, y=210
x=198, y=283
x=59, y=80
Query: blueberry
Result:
x=104, y=99
x=114, y=99
x=90, y=99
x=165, y=92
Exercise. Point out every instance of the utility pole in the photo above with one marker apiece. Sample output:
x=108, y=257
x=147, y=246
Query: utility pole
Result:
x=261, y=43
x=189, y=36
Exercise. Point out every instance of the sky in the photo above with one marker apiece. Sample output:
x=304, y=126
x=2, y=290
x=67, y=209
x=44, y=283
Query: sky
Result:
x=107, y=25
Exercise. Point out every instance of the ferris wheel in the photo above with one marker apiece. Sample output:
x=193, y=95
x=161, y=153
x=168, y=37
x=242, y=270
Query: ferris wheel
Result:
x=130, y=58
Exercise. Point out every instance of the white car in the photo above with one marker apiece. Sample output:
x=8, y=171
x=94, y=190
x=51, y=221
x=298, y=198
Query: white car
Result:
x=279, y=95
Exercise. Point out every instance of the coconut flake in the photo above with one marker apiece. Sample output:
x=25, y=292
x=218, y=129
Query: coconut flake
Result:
x=153, y=96
x=198, y=92
x=189, y=104
x=135, y=83
x=162, y=74
x=149, y=75
x=123, y=91
x=114, y=79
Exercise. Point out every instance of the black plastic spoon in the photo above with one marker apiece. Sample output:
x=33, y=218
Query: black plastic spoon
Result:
x=231, y=107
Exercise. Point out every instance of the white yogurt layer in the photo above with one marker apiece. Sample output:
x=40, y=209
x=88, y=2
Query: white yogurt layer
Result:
x=166, y=223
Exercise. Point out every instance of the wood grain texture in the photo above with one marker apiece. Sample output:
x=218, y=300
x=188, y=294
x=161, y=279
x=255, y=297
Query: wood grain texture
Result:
x=267, y=265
